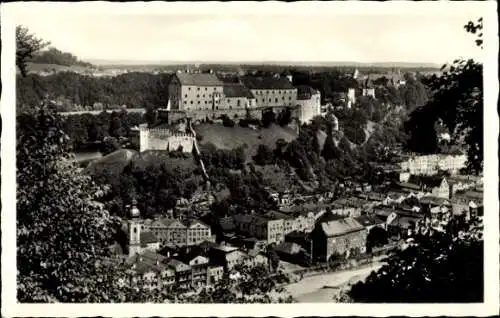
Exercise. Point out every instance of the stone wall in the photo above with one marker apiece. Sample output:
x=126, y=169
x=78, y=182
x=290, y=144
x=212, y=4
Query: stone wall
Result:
x=164, y=139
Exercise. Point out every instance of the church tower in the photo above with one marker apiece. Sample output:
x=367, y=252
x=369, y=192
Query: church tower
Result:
x=134, y=230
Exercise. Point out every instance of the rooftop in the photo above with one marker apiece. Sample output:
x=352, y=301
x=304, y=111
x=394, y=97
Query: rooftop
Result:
x=340, y=227
x=199, y=79
x=368, y=220
x=267, y=83
x=237, y=90
x=305, y=92
x=148, y=238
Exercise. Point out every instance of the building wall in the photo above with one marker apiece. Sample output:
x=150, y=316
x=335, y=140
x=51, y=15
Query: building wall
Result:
x=341, y=244
x=309, y=108
x=198, y=234
x=275, y=231
x=201, y=97
x=443, y=191
x=351, y=97
x=369, y=92
x=163, y=139
x=234, y=103
x=275, y=97
x=429, y=164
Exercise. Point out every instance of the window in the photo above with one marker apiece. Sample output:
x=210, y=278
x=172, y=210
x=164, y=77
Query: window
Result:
x=238, y=102
x=191, y=102
x=198, y=96
x=269, y=100
x=205, y=102
x=185, y=102
x=203, y=95
x=283, y=98
x=206, y=88
x=186, y=95
x=198, y=89
x=214, y=88
x=198, y=102
x=189, y=88
x=275, y=100
x=228, y=101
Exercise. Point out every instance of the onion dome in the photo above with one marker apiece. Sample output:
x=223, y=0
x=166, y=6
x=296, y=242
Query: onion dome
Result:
x=134, y=211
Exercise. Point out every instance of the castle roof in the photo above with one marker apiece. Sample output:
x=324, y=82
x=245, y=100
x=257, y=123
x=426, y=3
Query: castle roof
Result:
x=237, y=90
x=267, y=83
x=305, y=92
x=198, y=79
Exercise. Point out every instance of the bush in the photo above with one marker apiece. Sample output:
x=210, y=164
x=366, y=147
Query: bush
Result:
x=227, y=122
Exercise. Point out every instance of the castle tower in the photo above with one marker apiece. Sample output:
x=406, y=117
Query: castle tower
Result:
x=351, y=97
x=134, y=230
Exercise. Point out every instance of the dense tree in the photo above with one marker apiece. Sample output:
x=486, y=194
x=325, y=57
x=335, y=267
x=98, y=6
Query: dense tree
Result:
x=55, y=56
x=264, y=155
x=376, y=237
x=77, y=92
x=27, y=44
x=435, y=267
x=457, y=100
x=268, y=118
x=62, y=235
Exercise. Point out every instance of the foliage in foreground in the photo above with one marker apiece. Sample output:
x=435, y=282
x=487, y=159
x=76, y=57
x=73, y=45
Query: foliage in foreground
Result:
x=64, y=234
x=435, y=267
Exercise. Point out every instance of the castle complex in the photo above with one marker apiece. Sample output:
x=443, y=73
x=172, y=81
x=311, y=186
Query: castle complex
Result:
x=204, y=96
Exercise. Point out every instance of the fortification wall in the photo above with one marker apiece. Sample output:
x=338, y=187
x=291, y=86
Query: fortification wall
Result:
x=164, y=139
x=183, y=141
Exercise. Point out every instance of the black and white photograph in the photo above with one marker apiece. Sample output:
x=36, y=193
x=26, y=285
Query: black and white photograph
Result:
x=275, y=153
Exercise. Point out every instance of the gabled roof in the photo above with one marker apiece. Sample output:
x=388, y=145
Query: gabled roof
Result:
x=192, y=222
x=178, y=266
x=430, y=181
x=188, y=257
x=171, y=223
x=340, y=227
x=237, y=90
x=198, y=79
x=267, y=83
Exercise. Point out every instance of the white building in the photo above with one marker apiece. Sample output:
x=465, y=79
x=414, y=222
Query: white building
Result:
x=309, y=101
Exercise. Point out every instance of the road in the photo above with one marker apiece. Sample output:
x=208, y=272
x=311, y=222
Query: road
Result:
x=310, y=289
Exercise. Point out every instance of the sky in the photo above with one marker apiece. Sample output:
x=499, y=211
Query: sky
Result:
x=426, y=36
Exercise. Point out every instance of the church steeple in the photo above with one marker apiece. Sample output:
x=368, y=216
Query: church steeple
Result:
x=134, y=229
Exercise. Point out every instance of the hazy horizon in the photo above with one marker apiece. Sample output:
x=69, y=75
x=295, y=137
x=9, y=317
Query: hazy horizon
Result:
x=103, y=62
x=436, y=37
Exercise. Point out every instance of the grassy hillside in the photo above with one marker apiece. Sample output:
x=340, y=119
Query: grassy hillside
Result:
x=233, y=137
x=115, y=162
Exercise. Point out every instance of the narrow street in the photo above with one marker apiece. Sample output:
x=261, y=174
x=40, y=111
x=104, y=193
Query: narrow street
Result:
x=311, y=289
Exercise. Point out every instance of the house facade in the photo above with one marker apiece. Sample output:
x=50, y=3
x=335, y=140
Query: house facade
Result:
x=174, y=232
x=195, y=91
x=271, y=91
x=338, y=238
